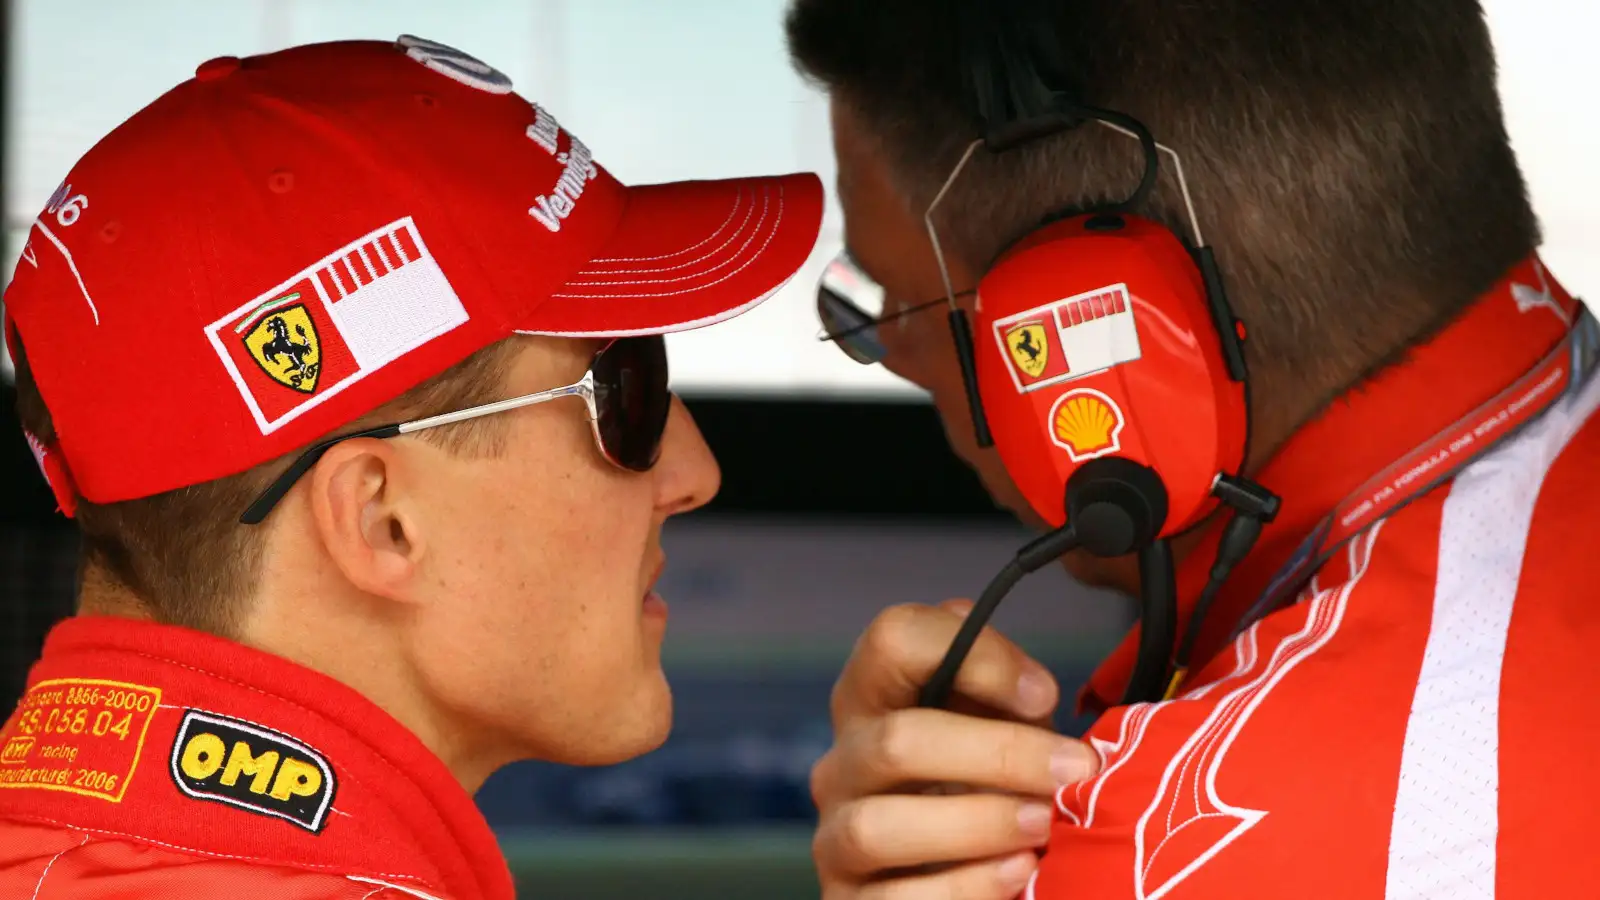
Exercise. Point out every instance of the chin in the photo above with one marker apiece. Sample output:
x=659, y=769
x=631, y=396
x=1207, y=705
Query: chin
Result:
x=626, y=731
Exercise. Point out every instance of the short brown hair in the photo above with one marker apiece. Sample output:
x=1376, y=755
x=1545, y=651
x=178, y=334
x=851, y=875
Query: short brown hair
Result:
x=1347, y=158
x=184, y=553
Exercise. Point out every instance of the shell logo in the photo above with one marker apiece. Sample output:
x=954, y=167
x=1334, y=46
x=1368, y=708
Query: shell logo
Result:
x=1087, y=424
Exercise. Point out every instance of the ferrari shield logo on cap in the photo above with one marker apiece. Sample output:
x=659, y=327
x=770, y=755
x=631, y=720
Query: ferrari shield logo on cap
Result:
x=1029, y=348
x=1087, y=424
x=335, y=322
x=284, y=344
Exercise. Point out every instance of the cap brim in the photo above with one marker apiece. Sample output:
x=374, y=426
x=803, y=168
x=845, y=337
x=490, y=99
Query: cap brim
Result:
x=690, y=254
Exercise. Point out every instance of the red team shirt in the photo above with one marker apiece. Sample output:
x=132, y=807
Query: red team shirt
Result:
x=1421, y=722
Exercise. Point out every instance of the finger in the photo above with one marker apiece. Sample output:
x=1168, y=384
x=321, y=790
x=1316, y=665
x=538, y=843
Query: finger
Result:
x=933, y=745
x=960, y=606
x=973, y=708
x=900, y=650
x=969, y=707
x=998, y=879
x=896, y=831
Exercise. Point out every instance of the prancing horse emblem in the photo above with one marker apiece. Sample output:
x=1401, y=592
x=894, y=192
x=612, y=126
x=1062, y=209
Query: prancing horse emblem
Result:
x=1029, y=349
x=286, y=347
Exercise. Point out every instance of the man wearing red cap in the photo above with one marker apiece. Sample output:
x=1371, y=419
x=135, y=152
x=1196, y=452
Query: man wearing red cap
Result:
x=348, y=362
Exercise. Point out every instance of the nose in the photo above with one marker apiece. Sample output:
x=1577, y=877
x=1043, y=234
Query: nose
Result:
x=687, y=475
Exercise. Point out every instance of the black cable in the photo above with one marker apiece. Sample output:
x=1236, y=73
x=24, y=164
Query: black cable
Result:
x=961, y=333
x=1158, y=623
x=1255, y=506
x=1036, y=555
x=1238, y=537
x=1180, y=659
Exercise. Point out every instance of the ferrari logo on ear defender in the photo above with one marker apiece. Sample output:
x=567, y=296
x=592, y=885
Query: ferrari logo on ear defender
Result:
x=1087, y=424
x=1028, y=346
x=1068, y=338
x=284, y=343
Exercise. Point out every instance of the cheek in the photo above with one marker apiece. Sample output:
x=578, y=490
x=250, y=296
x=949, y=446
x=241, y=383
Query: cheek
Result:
x=538, y=626
x=917, y=349
x=560, y=541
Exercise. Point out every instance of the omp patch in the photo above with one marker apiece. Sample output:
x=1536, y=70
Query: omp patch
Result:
x=253, y=768
x=77, y=735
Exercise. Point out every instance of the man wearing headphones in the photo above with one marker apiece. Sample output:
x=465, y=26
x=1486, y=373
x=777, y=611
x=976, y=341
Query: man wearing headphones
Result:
x=1371, y=674
x=348, y=362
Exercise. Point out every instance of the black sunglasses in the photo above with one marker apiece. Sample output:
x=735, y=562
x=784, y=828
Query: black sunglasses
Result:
x=625, y=390
x=845, y=294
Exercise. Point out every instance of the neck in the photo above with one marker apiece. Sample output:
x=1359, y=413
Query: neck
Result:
x=354, y=639
x=1287, y=398
x=366, y=643
x=1274, y=418
x=101, y=595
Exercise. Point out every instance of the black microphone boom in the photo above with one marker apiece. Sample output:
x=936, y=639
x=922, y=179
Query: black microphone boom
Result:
x=1036, y=555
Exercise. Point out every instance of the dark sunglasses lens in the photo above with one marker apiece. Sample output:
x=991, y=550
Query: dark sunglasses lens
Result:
x=632, y=400
x=851, y=328
x=849, y=303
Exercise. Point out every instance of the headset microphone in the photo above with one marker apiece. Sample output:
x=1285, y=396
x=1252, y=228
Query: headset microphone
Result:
x=1105, y=365
x=1116, y=507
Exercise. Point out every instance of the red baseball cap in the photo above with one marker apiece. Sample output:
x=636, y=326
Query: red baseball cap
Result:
x=396, y=207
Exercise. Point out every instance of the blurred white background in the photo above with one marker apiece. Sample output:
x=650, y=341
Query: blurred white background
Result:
x=664, y=91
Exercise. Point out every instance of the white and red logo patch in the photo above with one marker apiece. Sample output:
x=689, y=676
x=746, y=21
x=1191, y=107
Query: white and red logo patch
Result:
x=1069, y=338
x=333, y=323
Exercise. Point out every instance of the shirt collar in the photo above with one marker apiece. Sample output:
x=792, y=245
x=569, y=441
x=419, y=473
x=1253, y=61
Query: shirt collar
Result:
x=1495, y=341
x=167, y=715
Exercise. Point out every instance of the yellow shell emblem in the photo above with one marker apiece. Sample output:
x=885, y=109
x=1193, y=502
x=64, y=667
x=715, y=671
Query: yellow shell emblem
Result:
x=1087, y=423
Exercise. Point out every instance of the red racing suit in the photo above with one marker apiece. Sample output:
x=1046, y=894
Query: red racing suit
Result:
x=156, y=762
x=1420, y=721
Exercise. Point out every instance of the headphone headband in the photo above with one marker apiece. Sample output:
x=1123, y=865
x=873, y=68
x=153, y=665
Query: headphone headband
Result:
x=1012, y=99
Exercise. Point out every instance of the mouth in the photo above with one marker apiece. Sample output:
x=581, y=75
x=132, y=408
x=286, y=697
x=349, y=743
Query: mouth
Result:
x=652, y=602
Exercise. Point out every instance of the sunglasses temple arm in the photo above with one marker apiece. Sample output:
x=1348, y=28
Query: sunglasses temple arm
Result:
x=874, y=323
x=582, y=388
x=269, y=498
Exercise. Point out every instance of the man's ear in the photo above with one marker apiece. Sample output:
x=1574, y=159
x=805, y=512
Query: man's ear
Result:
x=362, y=516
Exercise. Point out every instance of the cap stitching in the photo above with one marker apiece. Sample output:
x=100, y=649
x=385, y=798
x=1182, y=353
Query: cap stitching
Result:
x=736, y=255
x=714, y=318
x=71, y=265
x=738, y=201
x=776, y=227
x=695, y=246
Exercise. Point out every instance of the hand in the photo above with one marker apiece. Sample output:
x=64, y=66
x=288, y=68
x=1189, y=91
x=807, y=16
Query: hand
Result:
x=882, y=834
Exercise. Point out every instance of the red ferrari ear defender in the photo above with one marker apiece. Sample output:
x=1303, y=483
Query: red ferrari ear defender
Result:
x=1108, y=370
